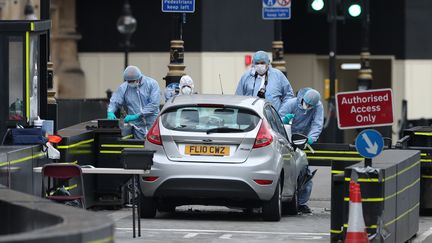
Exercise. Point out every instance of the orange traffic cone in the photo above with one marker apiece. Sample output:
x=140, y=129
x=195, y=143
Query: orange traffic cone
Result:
x=356, y=226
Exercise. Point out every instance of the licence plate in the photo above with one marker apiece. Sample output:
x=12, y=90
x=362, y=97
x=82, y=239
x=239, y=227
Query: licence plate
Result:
x=213, y=150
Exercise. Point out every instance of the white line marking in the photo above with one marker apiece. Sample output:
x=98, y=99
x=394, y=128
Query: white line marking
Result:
x=119, y=215
x=423, y=236
x=190, y=235
x=229, y=231
x=308, y=238
x=226, y=236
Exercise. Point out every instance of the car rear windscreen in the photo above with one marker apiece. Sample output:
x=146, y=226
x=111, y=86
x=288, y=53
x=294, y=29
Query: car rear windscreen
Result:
x=209, y=119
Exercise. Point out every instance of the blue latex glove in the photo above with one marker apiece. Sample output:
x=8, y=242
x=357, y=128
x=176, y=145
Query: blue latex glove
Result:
x=130, y=118
x=287, y=118
x=111, y=116
x=310, y=141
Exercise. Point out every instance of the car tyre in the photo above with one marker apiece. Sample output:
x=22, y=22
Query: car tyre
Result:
x=291, y=207
x=272, y=210
x=148, y=207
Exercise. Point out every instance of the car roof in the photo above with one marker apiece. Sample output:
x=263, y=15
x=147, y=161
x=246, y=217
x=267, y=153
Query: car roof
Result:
x=231, y=100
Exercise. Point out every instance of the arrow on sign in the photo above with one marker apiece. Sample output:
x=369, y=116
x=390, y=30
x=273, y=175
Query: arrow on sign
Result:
x=372, y=148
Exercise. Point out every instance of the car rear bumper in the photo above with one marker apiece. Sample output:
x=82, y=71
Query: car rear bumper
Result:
x=205, y=189
x=214, y=180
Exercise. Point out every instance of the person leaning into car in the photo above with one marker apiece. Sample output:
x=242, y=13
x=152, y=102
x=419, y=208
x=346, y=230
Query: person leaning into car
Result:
x=307, y=115
x=141, y=96
x=266, y=82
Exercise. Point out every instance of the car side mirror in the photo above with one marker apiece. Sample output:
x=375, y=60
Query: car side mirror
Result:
x=299, y=140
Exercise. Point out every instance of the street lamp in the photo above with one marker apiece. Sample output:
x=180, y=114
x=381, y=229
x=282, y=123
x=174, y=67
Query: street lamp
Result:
x=365, y=73
x=126, y=25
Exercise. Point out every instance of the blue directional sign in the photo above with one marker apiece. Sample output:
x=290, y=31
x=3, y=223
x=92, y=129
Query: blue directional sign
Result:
x=178, y=6
x=276, y=9
x=369, y=143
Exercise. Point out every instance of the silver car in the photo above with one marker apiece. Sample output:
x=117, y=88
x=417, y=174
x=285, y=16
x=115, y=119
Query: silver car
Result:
x=221, y=150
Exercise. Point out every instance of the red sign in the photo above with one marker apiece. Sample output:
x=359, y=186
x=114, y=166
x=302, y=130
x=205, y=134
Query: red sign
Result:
x=369, y=108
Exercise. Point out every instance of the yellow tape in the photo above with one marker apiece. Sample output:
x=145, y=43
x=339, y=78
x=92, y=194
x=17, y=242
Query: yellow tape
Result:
x=404, y=189
x=337, y=171
x=404, y=170
x=71, y=187
x=402, y=215
x=32, y=26
x=27, y=73
x=122, y=146
x=424, y=154
x=426, y=160
x=426, y=176
x=73, y=162
x=335, y=158
x=365, y=179
x=332, y=152
x=17, y=161
x=423, y=133
x=110, y=152
x=387, y=224
x=374, y=226
x=380, y=199
x=104, y=240
x=127, y=137
x=372, y=199
x=75, y=144
x=336, y=231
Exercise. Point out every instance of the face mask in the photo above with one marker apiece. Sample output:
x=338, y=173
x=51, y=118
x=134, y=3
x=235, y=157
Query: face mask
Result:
x=186, y=90
x=306, y=106
x=261, y=69
x=133, y=84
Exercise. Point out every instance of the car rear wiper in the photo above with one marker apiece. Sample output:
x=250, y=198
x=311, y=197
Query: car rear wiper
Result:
x=224, y=130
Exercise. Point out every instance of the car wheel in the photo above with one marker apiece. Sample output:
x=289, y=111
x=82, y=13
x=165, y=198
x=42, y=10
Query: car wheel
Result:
x=291, y=207
x=272, y=210
x=148, y=207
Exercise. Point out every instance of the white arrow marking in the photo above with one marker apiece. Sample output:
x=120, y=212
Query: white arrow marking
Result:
x=372, y=148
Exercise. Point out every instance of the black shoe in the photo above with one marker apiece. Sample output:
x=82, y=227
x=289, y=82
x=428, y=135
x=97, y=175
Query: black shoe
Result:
x=304, y=209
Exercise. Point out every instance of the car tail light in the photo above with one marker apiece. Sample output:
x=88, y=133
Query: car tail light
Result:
x=263, y=182
x=151, y=178
x=264, y=136
x=153, y=135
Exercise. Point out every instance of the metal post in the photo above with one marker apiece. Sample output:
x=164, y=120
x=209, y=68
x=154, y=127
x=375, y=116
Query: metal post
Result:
x=368, y=162
x=334, y=135
x=365, y=72
x=176, y=66
x=133, y=205
x=126, y=50
x=332, y=48
x=45, y=6
x=138, y=198
x=277, y=48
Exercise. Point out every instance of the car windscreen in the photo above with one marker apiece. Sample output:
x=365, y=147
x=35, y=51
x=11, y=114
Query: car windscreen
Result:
x=210, y=119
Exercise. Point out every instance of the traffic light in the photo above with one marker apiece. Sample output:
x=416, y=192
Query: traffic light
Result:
x=353, y=8
x=317, y=6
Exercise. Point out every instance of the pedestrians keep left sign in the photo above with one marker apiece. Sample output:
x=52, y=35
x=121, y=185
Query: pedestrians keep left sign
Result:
x=276, y=9
x=178, y=6
x=369, y=143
